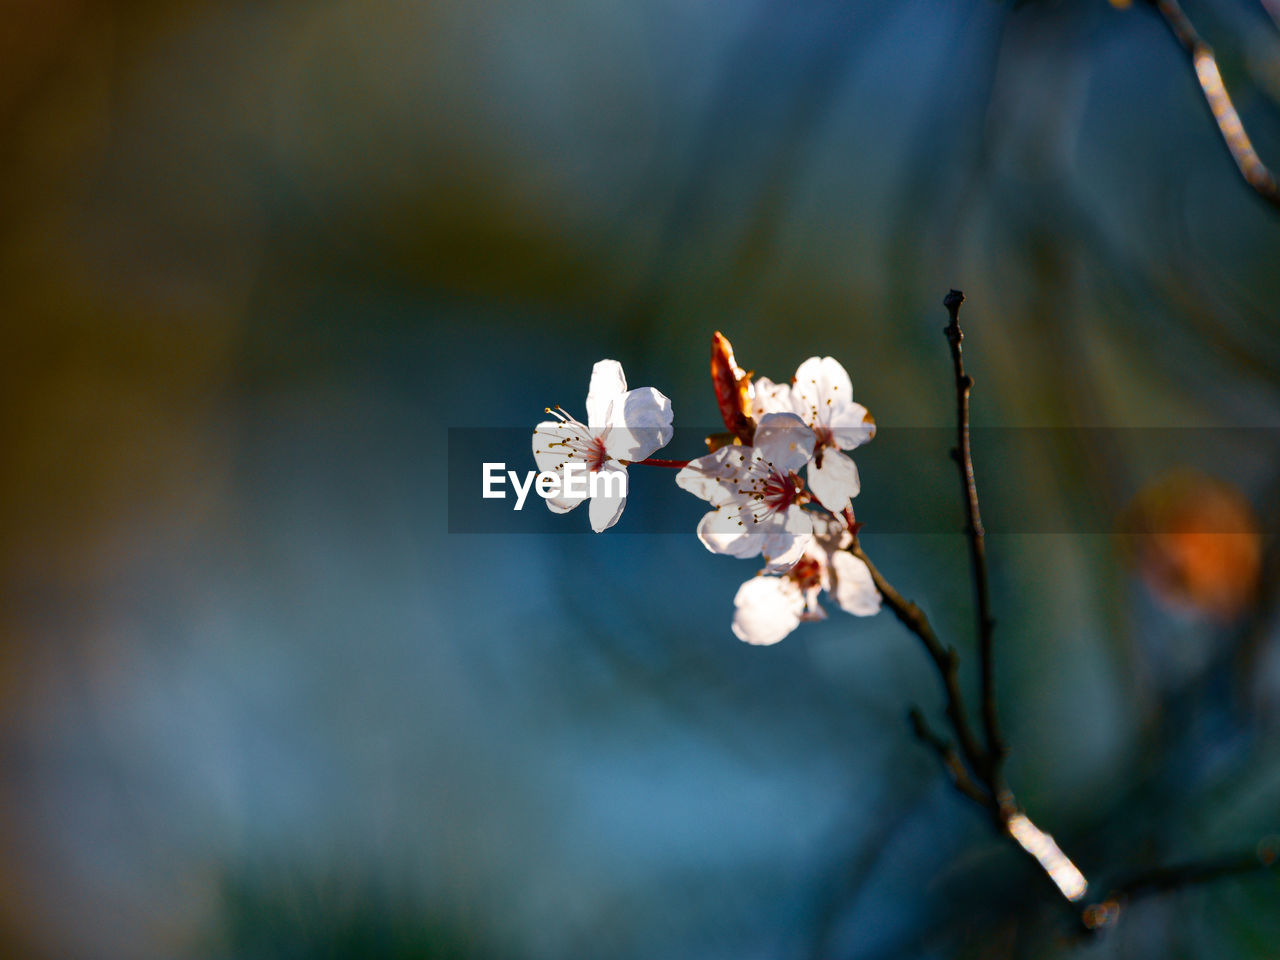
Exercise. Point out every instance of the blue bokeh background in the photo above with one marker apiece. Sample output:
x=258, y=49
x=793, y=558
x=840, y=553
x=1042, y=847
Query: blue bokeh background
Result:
x=256, y=259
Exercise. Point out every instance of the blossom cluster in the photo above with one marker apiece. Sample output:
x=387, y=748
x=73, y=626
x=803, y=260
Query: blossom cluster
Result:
x=761, y=505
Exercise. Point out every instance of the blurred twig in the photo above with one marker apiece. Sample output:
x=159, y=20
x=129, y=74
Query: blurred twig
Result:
x=1163, y=879
x=1273, y=11
x=1105, y=912
x=1231, y=128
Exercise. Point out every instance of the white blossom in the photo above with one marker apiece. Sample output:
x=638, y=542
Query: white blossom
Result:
x=821, y=394
x=756, y=493
x=623, y=426
x=771, y=604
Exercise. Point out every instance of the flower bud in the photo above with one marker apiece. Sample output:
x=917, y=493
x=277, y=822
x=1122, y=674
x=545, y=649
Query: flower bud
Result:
x=733, y=389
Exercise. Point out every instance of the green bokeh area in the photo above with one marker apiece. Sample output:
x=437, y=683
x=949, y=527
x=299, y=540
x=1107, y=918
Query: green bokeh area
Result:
x=259, y=260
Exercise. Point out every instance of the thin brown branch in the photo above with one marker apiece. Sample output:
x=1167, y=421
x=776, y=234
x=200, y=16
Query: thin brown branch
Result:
x=1234, y=136
x=976, y=772
x=944, y=659
x=970, y=773
x=960, y=775
x=963, y=457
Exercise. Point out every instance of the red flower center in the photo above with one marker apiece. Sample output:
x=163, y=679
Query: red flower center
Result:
x=807, y=573
x=595, y=455
x=781, y=492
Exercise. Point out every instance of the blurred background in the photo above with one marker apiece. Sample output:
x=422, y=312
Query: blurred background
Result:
x=256, y=260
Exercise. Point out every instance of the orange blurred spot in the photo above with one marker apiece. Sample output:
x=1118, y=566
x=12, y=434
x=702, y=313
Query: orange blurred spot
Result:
x=1099, y=915
x=733, y=390
x=1197, y=544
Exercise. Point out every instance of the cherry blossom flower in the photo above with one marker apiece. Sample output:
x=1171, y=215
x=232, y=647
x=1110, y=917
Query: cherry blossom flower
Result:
x=756, y=493
x=822, y=396
x=769, y=606
x=623, y=426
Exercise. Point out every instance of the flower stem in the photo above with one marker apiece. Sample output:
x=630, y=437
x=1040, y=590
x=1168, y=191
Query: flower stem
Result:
x=656, y=462
x=995, y=748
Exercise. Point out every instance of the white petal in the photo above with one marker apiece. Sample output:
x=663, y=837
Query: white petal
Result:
x=715, y=477
x=854, y=589
x=720, y=534
x=639, y=423
x=821, y=384
x=781, y=551
x=836, y=481
x=851, y=426
x=607, y=382
x=787, y=541
x=605, y=511
x=783, y=440
x=770, y=397
x=563, y=504
x=733, y=530
x=551, y=458
x=766, y=609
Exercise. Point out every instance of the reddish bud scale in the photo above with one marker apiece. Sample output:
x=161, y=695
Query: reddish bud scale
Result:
x=733, y=389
